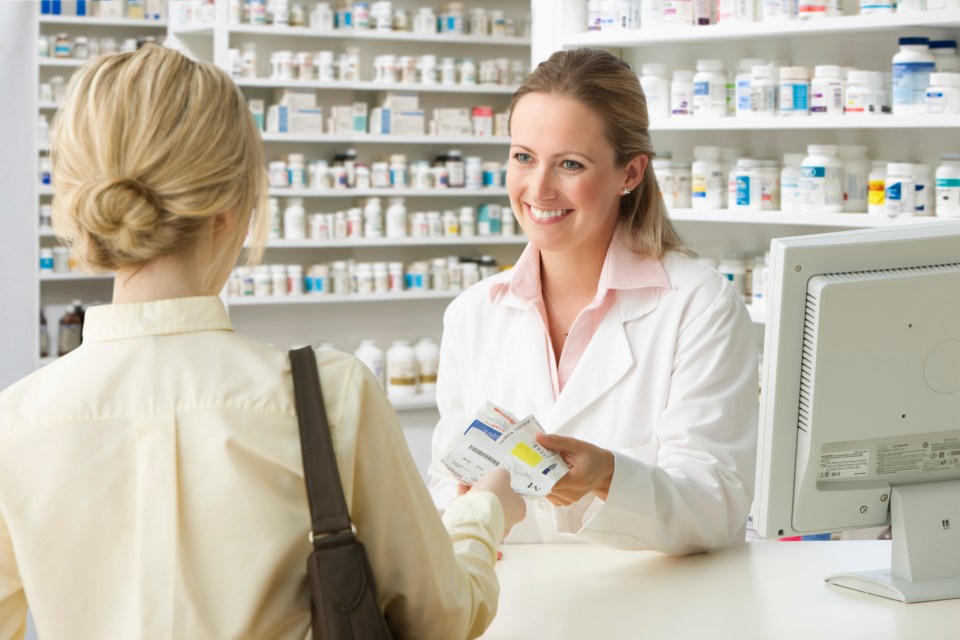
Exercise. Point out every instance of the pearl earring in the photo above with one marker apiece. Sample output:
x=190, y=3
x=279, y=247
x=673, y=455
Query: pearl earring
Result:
x=625, y=192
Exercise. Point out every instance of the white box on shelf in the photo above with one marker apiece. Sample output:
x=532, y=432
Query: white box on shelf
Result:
x=400, y=100
x=360, y=110
x=283, y=119
x=340, y=120
x=109, y=8
x=297, y=98
x=257, y=109
x=402, y=123
x=452, y=122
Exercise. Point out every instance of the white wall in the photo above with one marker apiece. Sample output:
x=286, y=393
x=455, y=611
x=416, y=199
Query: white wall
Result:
x=18, y=206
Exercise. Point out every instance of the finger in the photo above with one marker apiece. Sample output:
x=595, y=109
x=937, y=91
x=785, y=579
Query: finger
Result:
x=557, y=443
x=462, y=489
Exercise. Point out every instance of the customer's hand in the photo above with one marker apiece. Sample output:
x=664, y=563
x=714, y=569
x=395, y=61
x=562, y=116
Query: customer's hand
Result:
x=497, y=482
x=591, y=469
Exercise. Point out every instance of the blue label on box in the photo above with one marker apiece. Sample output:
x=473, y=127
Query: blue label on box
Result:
x=485, y=428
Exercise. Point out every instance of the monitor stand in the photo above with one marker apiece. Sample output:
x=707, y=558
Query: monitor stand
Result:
x=925, y=564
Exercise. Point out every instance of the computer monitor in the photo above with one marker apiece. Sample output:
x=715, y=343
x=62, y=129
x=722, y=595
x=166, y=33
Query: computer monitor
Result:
x=860, y=400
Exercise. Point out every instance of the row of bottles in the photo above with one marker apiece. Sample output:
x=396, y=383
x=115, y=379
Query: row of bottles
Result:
x=70, y=330
x=405, y=370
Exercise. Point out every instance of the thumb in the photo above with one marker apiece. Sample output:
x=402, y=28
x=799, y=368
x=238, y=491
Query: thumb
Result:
x=557, y=443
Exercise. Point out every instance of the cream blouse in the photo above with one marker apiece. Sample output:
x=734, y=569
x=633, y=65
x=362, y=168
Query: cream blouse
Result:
x=151, y=486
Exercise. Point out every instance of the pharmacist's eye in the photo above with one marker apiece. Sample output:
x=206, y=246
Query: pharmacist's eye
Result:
x=522, y=158
x=571, y=165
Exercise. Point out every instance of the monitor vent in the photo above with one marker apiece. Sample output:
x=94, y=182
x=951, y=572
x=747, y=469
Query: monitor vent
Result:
x=887, y=273
x=811, y=322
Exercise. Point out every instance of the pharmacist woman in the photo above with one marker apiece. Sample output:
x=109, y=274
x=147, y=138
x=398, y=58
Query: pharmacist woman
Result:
x=639, y=362
x=151, y=483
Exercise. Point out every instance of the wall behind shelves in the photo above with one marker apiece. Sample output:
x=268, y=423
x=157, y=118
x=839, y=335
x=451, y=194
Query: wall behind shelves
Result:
x=18, y=207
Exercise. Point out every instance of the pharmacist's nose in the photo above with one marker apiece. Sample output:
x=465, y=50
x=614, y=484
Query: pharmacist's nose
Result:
x=542, y=186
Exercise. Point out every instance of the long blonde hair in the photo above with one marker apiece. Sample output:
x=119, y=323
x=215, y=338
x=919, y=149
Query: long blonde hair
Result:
x=146, y=148
x=607, y=86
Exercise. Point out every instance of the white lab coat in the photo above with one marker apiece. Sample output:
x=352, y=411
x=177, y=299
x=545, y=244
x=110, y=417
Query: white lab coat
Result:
x=668, y=382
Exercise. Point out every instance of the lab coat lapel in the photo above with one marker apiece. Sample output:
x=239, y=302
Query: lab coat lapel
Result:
x=606, y=360
x=531, y=361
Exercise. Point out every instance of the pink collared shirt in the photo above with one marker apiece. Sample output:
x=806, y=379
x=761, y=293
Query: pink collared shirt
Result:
x=622, y=269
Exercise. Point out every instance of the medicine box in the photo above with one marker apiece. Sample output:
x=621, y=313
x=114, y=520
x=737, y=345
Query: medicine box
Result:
x=297, y=98
x=401, y=123
x=360, y=117
x=452, y=122
x=400, y=100
x=257, y=109
x=340, y=120
x=284, y=119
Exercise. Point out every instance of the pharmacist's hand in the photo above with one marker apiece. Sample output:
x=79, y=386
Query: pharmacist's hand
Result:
x=497, y=482
x=591, y=469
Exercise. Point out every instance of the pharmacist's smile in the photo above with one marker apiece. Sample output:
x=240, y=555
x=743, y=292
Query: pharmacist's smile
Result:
x=546, y=216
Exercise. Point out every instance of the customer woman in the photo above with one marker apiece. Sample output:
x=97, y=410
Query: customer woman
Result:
x=639, y=362
x=151, y=483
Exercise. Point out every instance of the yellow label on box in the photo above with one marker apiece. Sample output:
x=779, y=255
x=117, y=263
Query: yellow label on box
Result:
x=525, y=454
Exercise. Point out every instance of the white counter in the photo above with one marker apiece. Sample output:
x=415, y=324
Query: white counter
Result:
x=764, y=590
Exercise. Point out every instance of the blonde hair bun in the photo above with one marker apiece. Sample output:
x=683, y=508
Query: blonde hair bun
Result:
x=147, y=149
x=119, y=211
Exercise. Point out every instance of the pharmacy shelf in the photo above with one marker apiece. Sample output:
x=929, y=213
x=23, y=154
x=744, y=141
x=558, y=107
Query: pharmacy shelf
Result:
x=62, y=62
x=73, y=277
x=366, y=85
x=746, y=123
x=487, y=192
x=747, y=31
x=90, y=21
x=845, y=220
x=203, y=29
x=374, y=34
x=340, y=298
x=360, y=243
x=414, y=403
x=44, y=190
x=42, y=362
x=366, y=138
x=48, y=106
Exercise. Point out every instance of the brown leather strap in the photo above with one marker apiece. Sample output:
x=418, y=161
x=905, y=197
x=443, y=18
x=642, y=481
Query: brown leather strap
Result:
x=328, y=508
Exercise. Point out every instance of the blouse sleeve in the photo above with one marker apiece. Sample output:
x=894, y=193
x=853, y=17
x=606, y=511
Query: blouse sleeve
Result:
x=453, y=418
x=13, y=603
x=697, y=496
x=435, y=579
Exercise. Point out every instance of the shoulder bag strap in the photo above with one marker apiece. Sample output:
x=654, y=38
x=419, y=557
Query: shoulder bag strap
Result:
x=328, y=508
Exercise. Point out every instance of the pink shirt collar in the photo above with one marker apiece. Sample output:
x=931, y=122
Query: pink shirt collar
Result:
x=622, y=269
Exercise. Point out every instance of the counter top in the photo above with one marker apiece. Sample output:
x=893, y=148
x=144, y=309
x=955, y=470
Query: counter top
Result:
x=759, y=590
